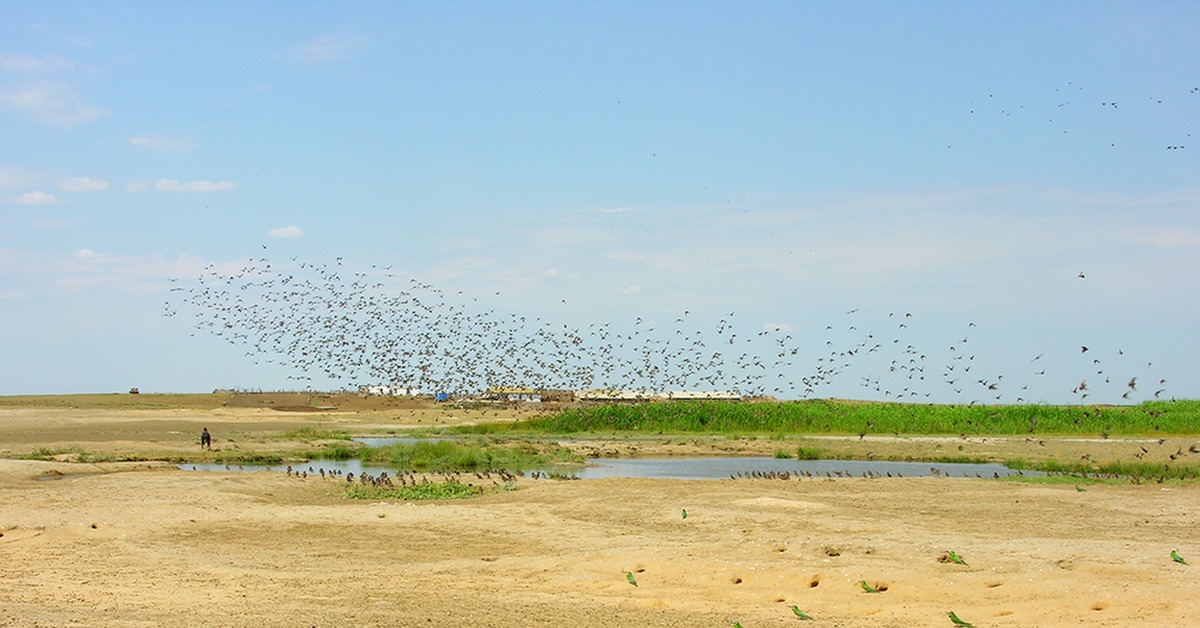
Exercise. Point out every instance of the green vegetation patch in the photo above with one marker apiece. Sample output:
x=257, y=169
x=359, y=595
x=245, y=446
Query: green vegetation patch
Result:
x=455, y=456
x=848, y=417
x=424, y=491
x=249, y=457
x=809, y=453
x=309, y=433
x=1129, y=470
x=72, y=454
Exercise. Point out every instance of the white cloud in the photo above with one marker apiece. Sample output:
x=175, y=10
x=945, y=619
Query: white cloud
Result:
x=632, y=289
x=89, y=255
x=82, y=184
x=171, y=185
x=163, y=144
x=290, y=231
x=326, y=49
x=34, y=198
x=48, y=102
x=29, y=64
x=554, y=273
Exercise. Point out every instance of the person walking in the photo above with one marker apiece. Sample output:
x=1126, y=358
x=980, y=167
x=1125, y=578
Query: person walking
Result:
x=205, y=440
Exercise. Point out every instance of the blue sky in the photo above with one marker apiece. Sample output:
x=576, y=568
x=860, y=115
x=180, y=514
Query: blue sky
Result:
x=588, y=163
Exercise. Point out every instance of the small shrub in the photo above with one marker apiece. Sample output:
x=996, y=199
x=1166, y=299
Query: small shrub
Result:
x=808, y=453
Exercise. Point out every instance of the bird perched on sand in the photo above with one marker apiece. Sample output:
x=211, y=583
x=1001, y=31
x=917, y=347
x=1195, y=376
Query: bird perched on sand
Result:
x=1177, y=558
x=955, y=558
x=801, y=614
x=685, y=513
x=866, y=587
x=630, y=578
x=958, y=622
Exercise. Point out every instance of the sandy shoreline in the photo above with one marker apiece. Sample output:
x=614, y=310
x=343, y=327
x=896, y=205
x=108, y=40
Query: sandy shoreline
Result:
x=137, y=544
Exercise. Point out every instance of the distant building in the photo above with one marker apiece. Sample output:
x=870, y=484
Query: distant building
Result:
x=389, y=391
x=512, y=393
x=613, y=396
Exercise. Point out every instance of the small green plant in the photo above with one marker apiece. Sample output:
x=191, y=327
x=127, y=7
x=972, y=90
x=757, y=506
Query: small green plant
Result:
x=808, y=453
x=782, y=454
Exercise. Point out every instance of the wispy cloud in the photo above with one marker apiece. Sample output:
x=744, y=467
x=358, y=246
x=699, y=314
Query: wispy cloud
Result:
x=82, y=184
x=163, y=144
x=617, y=210
x=52, y=103
x=39, y=273
x=1168, y=238
x=290, y=231
x=326, y=49
x=14, y=178
x=171, y=185
x=30, y=64
x=89, y=255
x=554, y=273
x=34, y=198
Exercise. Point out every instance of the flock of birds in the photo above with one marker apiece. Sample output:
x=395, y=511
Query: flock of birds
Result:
x=330, y=323
x=410, y=477
x=1066, y=109
x=370, y=327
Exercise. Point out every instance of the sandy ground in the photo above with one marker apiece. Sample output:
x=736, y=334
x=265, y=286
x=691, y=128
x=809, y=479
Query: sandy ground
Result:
x=123, y=544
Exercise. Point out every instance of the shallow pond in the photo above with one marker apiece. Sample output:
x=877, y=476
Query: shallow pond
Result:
x=681, y=468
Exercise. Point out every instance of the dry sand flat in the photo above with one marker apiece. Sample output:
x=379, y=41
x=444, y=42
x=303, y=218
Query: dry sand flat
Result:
x=102, y=545
x=121, y=544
